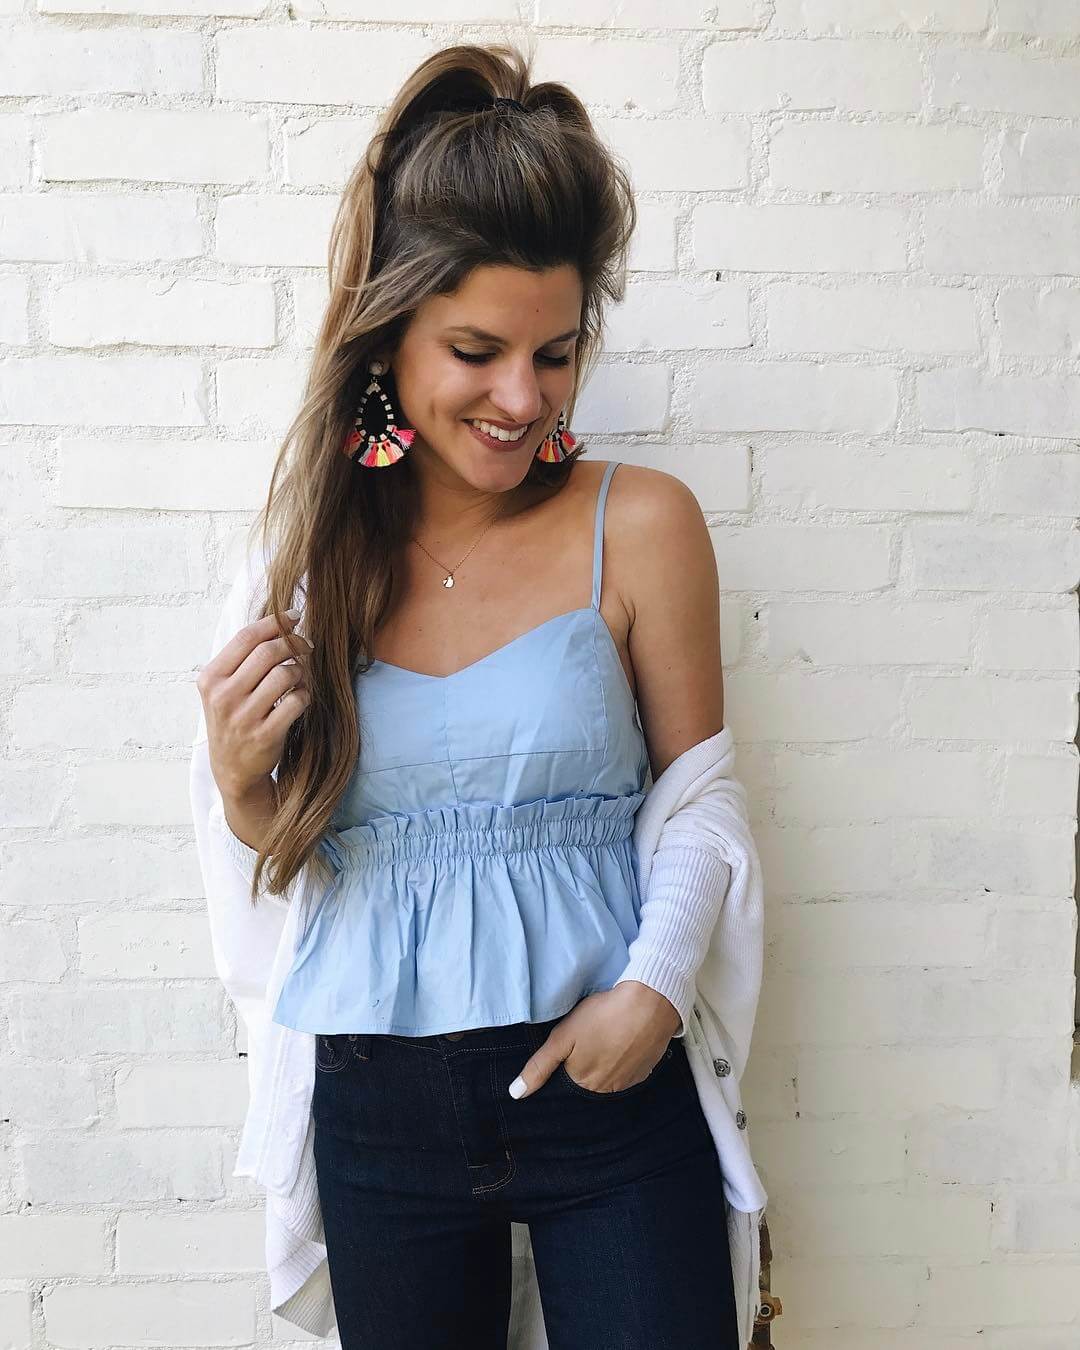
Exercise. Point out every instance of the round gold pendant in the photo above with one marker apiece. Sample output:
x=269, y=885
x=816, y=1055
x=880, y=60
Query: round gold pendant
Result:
x=449, y=581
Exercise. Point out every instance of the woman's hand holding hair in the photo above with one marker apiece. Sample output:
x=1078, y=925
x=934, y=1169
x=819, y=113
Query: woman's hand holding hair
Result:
x=252, y=691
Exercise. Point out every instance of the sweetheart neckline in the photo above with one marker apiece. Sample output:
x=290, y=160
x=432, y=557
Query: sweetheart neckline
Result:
x=567, y=614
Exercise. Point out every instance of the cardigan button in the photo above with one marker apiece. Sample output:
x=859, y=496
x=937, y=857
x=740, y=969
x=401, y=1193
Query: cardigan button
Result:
x=740, y=1119
x=722, y=1067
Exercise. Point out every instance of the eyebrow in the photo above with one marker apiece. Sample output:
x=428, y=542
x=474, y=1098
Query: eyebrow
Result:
x=484, y=336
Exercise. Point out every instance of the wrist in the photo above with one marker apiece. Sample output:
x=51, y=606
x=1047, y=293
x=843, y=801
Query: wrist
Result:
x=657, y=1003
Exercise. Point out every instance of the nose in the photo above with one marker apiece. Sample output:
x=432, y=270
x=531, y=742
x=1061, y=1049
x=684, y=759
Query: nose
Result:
x=518, y=395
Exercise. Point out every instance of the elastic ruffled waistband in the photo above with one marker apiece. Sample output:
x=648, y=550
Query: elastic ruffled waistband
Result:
x=477, y=829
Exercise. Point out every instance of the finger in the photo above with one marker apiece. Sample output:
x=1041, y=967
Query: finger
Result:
x=537, y=1070
x=270, y=669
x=227, y=662
x=285, y=678
x=289, y=708
x=269, y=654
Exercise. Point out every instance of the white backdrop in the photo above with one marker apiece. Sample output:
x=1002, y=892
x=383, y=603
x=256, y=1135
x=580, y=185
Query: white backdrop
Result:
x=852, y=325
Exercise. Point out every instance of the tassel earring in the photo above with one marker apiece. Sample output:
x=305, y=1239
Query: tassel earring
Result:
x=388, y=443
x=558, y=443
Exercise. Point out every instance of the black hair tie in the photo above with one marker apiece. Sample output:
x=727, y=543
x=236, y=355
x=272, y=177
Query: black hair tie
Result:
x=508, y=102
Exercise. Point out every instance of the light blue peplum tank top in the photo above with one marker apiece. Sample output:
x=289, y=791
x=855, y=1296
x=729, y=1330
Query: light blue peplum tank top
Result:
x=484, y=869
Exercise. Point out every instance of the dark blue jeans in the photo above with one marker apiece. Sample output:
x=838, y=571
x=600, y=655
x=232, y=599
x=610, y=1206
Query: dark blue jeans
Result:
x=423, y=1159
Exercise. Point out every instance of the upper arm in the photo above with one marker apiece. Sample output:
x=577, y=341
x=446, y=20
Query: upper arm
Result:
x=672, y=595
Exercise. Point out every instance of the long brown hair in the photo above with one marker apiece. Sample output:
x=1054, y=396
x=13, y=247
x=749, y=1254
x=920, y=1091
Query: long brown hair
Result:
x=447, y=183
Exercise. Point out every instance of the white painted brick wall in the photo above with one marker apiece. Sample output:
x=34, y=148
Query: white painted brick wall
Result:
x=852, y=326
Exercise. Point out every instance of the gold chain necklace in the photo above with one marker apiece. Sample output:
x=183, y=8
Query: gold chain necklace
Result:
x=448, y=580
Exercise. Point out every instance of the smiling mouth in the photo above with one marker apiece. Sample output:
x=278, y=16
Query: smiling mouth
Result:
x=494, y=434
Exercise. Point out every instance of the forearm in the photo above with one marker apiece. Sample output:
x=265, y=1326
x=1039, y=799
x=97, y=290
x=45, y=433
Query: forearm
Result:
x=686, y=893
x=248, y=814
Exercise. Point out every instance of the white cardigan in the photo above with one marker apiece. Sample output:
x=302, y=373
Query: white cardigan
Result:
x=695, y=812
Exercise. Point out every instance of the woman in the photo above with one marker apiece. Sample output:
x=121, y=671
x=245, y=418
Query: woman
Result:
x=454, y=744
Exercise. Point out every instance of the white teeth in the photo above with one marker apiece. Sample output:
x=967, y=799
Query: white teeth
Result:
x=499, y=433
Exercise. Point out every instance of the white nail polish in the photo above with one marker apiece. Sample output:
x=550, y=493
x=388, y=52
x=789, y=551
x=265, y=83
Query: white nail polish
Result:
x=518, y=1087
x=292, y=613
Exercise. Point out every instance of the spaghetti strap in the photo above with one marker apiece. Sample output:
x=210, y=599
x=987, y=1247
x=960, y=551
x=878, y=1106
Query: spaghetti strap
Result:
x=598, y=531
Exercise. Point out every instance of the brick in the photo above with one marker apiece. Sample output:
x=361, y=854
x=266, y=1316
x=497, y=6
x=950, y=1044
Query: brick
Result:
x=154, y=145
x=795, y=557
x=864, y=74
x=854, y=784
x=728, y=14
x=991, y=558
x=191, y=1244
x=992, y=708
x=282, y=63
x=791, y=237
x=52, y=60
x=274, y=230
x=1025, y=83
x=680, y=153
x=14, y=151
x=90, y=562
x=808, y=475
x=30, y=792
x=49, y=1094
x=1041, y=18
x=35, y=1245
x=1039, y=323
x=1023, y=405
x=140, y=639
x=154, y=475
x=15, y=1325
x=896, y=1081
x=96, y=867
x=1040, y=785
x=260, y=395
x=999, y=1293
x=240, y=9
x=876, y=632
x=1036, y=485
x=781, y=707
x=131, y=792
x=31, y=951
x=162, y=311
x=161, y=1095
x=153, y=391
x=1030, y=639
x=99, y=227
x=829, y=17
x=166, y=1312
x=322, y=151
x=1042, y=160
x=14, y=309
x=150, y=945
x=896, y=1225
x=990, y=240
x=658, y=315
x=792, y=396
x=874, y=157
x=105, y=1019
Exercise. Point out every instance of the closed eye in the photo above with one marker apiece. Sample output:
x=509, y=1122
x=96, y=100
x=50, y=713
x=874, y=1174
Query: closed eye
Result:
x=478, y=359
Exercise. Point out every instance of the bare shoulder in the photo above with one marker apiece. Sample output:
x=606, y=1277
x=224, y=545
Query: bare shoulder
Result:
x=655, y=531
x=663, y=567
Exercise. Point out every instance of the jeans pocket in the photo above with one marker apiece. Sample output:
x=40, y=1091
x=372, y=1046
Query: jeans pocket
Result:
x=564, y=1074
x=332, y=1052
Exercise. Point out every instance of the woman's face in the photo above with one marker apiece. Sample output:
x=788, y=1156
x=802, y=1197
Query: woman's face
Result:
x=447, y=372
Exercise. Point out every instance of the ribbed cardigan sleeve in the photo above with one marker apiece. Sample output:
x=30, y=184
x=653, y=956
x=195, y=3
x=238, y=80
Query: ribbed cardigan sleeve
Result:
x=682, y=904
